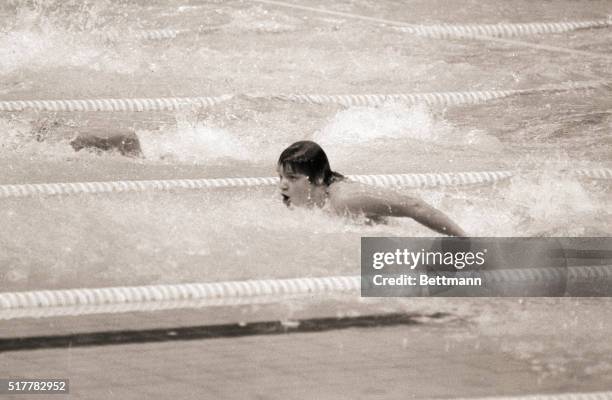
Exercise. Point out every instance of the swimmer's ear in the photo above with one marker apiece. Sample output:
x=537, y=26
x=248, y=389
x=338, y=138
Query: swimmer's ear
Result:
x=318, y=181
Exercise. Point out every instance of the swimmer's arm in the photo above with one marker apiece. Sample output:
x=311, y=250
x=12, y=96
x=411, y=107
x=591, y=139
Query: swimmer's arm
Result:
x=401, y=206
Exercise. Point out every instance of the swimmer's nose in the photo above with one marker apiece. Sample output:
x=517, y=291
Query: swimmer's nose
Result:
x=283, y=184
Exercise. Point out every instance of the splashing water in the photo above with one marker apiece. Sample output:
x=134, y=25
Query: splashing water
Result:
x=192, y=142
x=32, y=139
x=548, y=203
x=390, y=121
x=358, y=125
x=49, y=36
x=556, y=204
x=14, y=134
x=409, y=134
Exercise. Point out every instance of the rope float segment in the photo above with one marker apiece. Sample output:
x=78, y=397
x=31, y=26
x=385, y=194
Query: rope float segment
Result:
x=150, y=34
x=433, y=98
x=433, y=179
x=157, y=297
x=131, y=105
x=156, y=34
x=558, y=396
x=502, y=30
x=87, y=301
x=599, y=173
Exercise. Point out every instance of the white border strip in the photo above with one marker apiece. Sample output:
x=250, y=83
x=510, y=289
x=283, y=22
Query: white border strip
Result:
x=458, y=35
x=404, y=180
x=49, y=303
x=176, y=103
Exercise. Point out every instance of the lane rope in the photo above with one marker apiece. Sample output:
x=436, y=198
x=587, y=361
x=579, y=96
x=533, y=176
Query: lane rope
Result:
x=457, y=35
x=436, y=31
x=177, y=103
x=556, y=396
x=405, y=180
x=137, y=104
x=155, y=34
x=159, y=297
x=151, y=34
x=84, y=301
x=434, y=98
x=503, y=29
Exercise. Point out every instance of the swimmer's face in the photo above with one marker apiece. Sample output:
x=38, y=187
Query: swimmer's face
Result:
x=295, y=188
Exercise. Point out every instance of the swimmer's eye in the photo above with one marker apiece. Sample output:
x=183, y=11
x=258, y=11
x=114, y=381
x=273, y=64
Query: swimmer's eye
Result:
x=291, y=178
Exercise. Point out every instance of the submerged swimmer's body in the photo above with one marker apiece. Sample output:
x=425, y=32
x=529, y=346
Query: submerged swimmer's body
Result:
x=306, y=180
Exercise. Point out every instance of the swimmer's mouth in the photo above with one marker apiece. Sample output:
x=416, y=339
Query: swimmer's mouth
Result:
x=286, y=200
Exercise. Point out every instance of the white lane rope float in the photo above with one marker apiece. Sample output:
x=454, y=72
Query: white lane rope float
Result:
x=85, y=301
x=137, y=104
x=434, y=98
x=177, y=103
x=424, y=180
x=155, y=34
x=503, y=29
x=407, y=180
x=159, y=297
x=149, y=34
x=457, y=34
x=555, y=396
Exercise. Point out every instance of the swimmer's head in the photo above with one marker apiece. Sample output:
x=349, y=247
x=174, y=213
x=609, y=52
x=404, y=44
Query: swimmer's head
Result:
x=308, y=158
x=304, y=171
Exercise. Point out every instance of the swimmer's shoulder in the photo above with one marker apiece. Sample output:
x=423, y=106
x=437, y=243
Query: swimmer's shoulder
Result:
x=350, y=197
x=342, y=194
x=345, y=188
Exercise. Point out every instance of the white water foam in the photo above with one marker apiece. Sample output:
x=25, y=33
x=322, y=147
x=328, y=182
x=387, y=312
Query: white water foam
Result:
x=192, y=142
x=33, y=139
x=39, y=41
x=13, y=134
x=547, y=203
x=359, y=125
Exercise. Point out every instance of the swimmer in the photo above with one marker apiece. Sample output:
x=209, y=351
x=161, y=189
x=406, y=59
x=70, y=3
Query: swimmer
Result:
x=306, y=180
x=124, y=141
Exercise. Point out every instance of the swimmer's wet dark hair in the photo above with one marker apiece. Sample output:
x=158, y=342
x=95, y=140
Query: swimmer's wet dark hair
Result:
x=308, y=158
